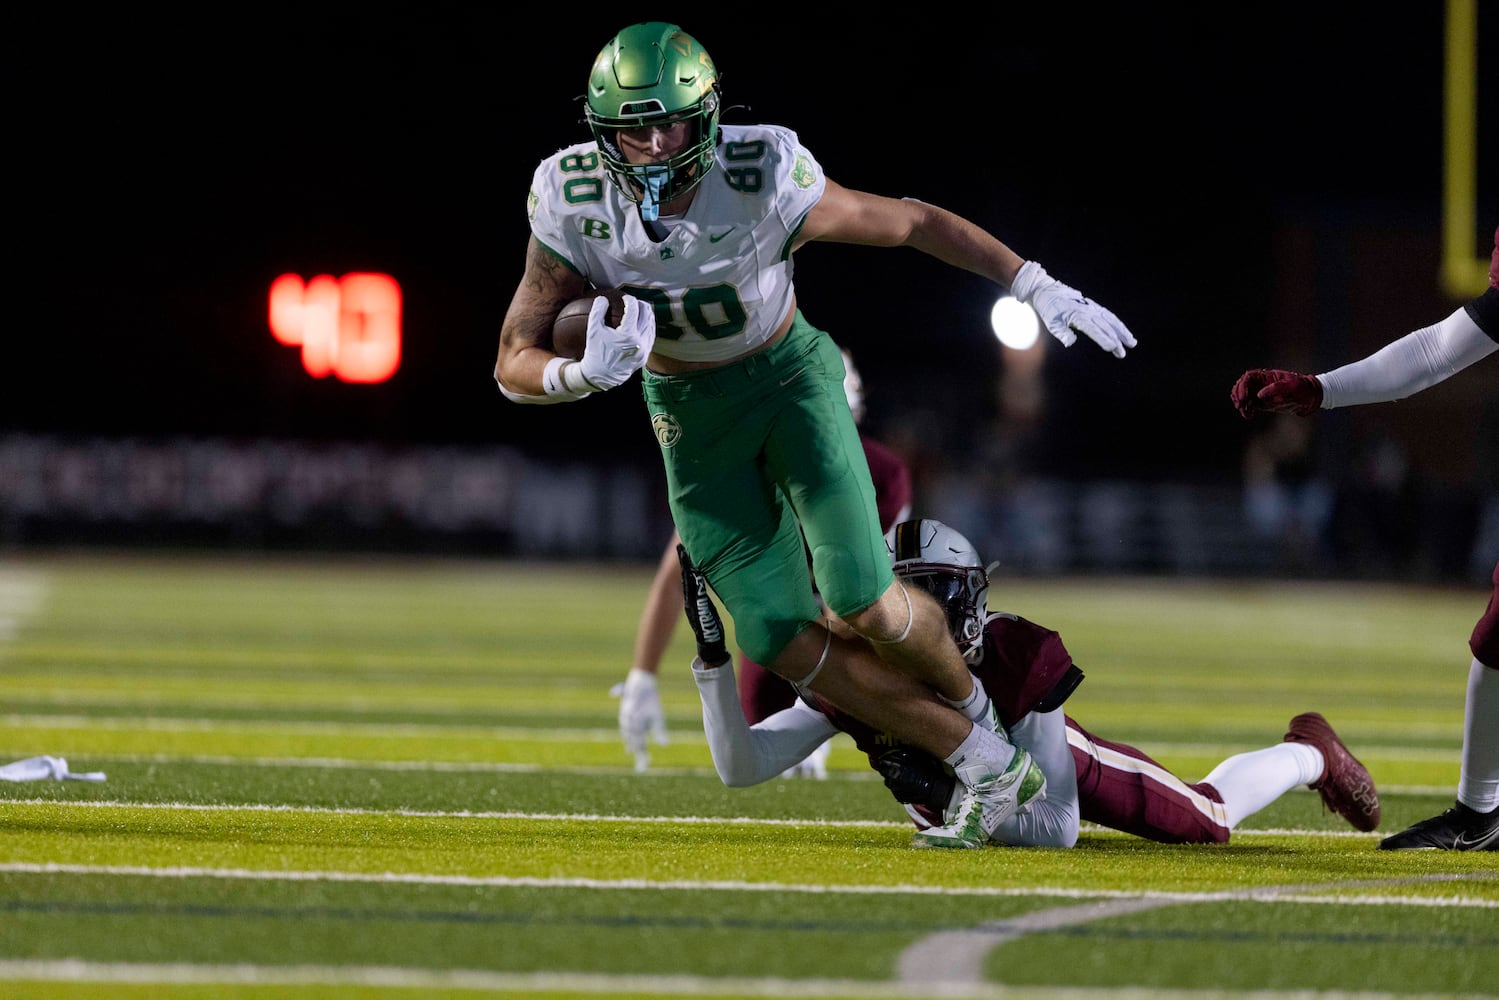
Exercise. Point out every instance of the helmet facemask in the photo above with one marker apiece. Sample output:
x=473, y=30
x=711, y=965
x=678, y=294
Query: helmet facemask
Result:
x=654, y=74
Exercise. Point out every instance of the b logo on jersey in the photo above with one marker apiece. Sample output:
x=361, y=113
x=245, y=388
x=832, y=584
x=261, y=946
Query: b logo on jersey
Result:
x=595, y=228
x=668, y=431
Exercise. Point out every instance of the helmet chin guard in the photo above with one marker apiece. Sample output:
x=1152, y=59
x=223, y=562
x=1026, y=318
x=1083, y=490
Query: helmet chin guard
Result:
x=654, y=73
x=930, y=555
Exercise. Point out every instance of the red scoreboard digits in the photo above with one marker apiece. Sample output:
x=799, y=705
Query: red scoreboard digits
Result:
x=349, y=327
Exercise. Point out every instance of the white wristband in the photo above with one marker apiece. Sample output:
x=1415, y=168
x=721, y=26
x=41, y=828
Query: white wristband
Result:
x=574, y=379
x=1030, y=279
x=554, y=381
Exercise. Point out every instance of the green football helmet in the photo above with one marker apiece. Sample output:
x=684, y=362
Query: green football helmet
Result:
x=654, y=73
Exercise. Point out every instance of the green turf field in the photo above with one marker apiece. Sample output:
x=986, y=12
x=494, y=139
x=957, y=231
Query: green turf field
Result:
x=345, y=777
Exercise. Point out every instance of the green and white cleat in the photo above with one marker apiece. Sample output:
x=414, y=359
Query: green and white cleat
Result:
x=987, y=803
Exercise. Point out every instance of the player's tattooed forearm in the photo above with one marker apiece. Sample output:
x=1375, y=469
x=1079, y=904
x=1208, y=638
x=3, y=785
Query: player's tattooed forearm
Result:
x=546, y=284
x=541, y=267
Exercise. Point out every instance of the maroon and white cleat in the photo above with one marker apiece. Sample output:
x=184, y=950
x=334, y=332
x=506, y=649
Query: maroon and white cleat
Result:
x=1345, y=785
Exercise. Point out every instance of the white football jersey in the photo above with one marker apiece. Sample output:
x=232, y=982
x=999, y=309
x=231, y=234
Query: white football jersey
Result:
x=720, y=283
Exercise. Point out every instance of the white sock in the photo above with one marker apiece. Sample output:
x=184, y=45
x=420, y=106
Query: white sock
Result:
x=1248, y=782
x=980, y=755
x=1478, y=781
x=976, y=705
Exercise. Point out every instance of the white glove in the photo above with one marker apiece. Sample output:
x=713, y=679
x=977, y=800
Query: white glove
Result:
x=640, y=714
x=1067, y=312
x=614, y=353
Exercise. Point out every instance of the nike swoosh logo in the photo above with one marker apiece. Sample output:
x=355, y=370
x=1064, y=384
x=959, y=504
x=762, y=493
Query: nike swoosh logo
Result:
x=1474, y=841
x=793, y=377
x=715, y=239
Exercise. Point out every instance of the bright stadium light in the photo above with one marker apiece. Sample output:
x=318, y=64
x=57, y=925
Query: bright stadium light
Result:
x=1015, y=324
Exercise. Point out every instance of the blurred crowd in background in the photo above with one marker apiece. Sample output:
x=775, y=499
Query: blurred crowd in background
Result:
x=1294, y=510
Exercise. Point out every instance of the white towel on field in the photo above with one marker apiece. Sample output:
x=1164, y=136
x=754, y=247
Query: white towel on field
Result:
x=45, y=768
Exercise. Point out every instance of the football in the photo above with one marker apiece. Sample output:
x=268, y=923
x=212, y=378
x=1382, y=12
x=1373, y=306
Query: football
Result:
x=570, y=328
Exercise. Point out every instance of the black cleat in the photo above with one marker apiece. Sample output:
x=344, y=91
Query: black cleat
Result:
x=1458, y=829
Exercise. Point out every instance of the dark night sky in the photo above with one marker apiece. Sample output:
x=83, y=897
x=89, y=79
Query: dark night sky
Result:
x=1147, y=154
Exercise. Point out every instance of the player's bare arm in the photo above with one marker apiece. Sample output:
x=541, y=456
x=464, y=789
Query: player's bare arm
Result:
x=844, y=215
x=546, y=286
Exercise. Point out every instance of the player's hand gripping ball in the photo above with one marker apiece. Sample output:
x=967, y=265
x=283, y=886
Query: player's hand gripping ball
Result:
x=570, y=328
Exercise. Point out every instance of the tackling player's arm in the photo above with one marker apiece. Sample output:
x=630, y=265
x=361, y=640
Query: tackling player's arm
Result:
x=546, y=286
x=743, y=755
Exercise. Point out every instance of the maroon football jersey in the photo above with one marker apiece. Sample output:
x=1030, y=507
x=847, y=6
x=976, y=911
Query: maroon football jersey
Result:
x=1118, y=786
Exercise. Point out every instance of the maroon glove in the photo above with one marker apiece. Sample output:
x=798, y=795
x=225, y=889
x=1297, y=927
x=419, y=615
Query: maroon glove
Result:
x=1272, y=390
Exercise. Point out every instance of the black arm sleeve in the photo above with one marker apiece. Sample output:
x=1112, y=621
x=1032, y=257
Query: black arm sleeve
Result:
x=1485, y=312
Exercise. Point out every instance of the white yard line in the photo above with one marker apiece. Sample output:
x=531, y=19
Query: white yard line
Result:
x=491, y=767
x=440, y=766
x=1130, y=898
x=1311, y=894
x=597, y=984
x=127, y=722
x=383, y=730
x=449, y=813
x=957, y=957
x=569, y=817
